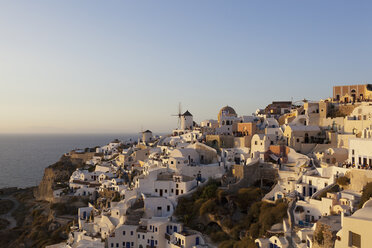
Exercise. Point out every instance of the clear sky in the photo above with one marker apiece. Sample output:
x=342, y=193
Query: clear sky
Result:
x=119, y=66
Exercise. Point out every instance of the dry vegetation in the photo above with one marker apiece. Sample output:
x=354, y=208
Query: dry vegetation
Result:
x=230, y=219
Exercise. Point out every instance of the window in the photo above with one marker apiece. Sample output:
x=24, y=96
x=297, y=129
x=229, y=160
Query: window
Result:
x=123, y=233
x=156, y=190
x=166, y=191
x=354, y=240
x=352, y=152
x=131, y=233
x=176, y=185
x=168, y=208
x=310, y=182
x=171, y=162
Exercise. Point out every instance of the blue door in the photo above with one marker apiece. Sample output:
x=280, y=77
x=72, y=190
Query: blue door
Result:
x=197, y=241
x=128, y=245
x=167, y=229
x=152, y=243
x=175, y=228
x=84, y=215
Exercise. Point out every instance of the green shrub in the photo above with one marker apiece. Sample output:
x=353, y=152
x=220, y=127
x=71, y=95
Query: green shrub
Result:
x=246, y=196
x=218, y=237
x=343, y=181
x=208, y=207
x=367, y=193
x=227, y=244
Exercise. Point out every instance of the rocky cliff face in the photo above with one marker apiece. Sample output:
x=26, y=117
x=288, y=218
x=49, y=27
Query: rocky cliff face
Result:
x=59, y=172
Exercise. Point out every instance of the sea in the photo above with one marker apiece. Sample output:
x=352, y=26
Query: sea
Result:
x=23, y=158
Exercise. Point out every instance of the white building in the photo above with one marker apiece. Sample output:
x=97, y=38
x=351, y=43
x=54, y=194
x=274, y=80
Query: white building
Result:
x=360, y=152
x=356, y=229
x=260, y=144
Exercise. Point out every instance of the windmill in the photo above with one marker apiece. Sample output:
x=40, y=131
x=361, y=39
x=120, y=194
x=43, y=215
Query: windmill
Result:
x=179, y=115
x=140, y=135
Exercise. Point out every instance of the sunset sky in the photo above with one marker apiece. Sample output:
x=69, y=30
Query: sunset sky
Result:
x=119, y=66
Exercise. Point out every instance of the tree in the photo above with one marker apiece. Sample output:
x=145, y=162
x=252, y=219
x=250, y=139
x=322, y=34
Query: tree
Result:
x=343, y=181
x=367, y=193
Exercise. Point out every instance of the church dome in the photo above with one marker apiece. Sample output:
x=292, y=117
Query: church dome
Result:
x=226, y=111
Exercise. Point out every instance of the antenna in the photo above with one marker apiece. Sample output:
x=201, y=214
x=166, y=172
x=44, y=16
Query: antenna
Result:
x=179, y=115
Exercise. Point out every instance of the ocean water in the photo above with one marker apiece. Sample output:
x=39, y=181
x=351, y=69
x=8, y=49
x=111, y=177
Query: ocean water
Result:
x=23, y=158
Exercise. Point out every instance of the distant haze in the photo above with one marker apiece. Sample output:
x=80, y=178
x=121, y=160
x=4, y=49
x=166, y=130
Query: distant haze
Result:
x=123, y=66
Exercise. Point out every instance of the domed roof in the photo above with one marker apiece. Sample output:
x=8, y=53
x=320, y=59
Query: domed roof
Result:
x=227, y=111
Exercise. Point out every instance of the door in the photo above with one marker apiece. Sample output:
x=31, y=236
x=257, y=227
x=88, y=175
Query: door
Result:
x=128, y=245
x=197, y=241
x=159, y=212
x=152, y=243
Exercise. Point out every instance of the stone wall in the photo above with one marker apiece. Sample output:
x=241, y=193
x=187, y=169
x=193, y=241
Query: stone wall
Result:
x=359, y=178
x=247, y=175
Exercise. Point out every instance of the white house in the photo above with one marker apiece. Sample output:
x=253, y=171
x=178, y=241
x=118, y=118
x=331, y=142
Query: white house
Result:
x=158, y=206
x=356, y=229
x=260, y=143
x=360, y=152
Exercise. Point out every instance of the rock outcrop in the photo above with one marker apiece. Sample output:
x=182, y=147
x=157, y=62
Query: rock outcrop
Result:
x=58, y=173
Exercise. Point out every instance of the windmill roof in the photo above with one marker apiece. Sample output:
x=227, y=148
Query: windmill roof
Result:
x=187, y=113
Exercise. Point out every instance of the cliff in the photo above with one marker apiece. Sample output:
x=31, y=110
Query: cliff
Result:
x=56, y=174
